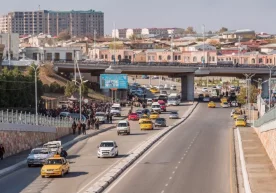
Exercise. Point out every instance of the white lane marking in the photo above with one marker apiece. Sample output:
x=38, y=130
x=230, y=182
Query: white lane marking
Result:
x=162, y=191
x=166, y=184
x=182, y=158
x=170, y=178
x=179, y=162
x=173, y=172
x=140, y=159
x=176, y=167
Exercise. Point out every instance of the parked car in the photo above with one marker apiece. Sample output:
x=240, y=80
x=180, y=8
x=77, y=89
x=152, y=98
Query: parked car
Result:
x=107, y=149
x=38, y=156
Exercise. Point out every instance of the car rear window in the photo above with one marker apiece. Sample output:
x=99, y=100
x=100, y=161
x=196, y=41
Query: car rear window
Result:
x=122, y=125
x=240, y=119
x=146, y=122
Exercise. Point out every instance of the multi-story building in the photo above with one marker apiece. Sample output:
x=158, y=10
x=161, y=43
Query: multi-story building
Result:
x=77, y=23
x=11, y=43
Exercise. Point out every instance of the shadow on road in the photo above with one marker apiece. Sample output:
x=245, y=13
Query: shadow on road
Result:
x=138, y=134
x=75, y=174
x=72, y=156
x=122, y=156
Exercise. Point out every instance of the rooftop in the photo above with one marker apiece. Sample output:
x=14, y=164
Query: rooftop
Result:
x=74, y=11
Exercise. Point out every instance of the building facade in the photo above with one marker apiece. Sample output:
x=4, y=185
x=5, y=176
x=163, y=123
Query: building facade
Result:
x=77, y=23
x=12, y=43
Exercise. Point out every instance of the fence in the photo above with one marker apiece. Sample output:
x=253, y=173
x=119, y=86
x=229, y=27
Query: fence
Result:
x=266, y=118
x=15, y=117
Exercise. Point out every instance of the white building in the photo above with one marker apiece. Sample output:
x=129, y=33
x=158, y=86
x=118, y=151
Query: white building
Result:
x=4, y=24
x=200, y=47
x=14, y=45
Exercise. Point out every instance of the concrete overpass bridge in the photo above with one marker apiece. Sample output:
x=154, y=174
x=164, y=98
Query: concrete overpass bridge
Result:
x=186, y=72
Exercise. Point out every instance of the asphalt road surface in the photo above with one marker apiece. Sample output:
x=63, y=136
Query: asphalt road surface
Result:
x=86, y=168
x=193, y=158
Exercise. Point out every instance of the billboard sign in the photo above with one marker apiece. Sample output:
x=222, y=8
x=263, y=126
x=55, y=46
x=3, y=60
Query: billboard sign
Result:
x=114, y=81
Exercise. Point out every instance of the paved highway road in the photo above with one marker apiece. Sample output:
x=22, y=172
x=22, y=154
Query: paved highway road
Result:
x=85, y=166
x=193, y=158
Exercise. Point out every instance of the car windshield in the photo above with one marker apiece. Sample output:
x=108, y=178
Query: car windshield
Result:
x=149, y=100
x=146, y=122
x=100, y=114
x=122, y=125
x=225, y=103
x=172, y=99
x=36, y=151
x=155, y=106
x=160, y=120
x=240, y=119
x=107, y=144
x=174, y=113
x=115, y=108
x=54, y=162
x=162, y=97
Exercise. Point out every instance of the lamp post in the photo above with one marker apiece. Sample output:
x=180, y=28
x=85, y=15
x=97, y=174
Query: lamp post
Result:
x=203, y=26
x=269, y=85
x=80, y=90
x=35, y=67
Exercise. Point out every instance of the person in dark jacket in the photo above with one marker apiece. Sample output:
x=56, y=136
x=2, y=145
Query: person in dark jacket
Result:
x=63, y=153
x=84, y=129
x=74, y=126
x=2, y=151
x=79, y=127
x=110, y=118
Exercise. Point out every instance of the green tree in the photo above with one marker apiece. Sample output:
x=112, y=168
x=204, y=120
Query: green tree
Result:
x=190, y=30
x=253, y=95
x=223, y=29
x=84, y=90
x=70, y=89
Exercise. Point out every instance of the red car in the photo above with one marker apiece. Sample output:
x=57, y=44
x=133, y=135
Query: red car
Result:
x=133, y=116
x=162, y=106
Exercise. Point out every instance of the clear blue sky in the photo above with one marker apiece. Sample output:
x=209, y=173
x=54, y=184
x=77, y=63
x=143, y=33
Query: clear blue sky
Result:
x=233, y=14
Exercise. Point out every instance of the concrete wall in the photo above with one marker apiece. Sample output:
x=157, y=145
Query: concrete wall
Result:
x=268, y=139
x=17, y=141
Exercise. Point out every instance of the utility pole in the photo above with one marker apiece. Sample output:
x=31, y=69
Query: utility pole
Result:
x=203, y=45
x=239, y=50
x=269, y=85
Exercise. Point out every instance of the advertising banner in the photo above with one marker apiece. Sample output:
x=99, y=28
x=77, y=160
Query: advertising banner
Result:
x=114, y=81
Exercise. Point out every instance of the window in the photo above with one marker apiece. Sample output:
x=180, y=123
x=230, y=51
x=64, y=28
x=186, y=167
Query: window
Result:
x=160, y=57
x=129, y=57
x=106, y=56
x=270, y=61
x=260, y=60
x=102, y=56
x=175, y=57
x=245, y=60
x=213, y=58
x=179, y=57
x=202, y=59
x=194, y=59
x=119, y=57
x=253, y=61
x=168, y=57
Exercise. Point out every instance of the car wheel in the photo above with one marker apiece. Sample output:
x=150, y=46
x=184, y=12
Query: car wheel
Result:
x=62, y=174
x=68, y=171
x=42, y=176
x=29, y=165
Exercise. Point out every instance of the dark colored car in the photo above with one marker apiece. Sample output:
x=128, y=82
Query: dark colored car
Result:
x=160, y=122
x=146, y=111
x=125, y=61
x=200, y=97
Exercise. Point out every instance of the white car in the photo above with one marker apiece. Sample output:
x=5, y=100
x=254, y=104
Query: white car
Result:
x=225, y=105
x=38, y=156
x=115, y=111
x=173, y=101
x=54, y=146
x=149, y=102
x=174, y=115
x=204, y=89
x=173, y=87
x=107, y=149
x=123, y=127
x=155, y=107
x=234, y=104
x=101, y=116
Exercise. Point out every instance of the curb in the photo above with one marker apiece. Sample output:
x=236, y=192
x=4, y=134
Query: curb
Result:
x=20, y=164
x=117, y=170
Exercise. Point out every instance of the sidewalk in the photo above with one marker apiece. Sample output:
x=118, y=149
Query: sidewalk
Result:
x=261, y=173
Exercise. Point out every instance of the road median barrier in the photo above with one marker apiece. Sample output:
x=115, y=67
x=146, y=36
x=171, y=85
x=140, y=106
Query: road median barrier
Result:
x=113, y=174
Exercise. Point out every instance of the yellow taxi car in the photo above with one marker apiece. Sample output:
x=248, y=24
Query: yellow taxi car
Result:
x=240, y=121
x=236, y=114
x=223, y=100
x=211, y=104
x=55, y=166
x=146, y=125
x=154, y=90
x=154, y=115
x=144, y=118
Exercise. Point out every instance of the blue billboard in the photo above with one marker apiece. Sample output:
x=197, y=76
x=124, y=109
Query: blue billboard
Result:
x=111, y=81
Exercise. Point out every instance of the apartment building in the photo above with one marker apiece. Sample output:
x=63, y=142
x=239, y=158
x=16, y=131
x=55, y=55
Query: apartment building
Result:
x=77, y=23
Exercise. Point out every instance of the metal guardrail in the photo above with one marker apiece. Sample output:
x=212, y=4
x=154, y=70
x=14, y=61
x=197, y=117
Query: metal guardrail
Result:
x=266, y=118
x=207, y=65
x=15, y=117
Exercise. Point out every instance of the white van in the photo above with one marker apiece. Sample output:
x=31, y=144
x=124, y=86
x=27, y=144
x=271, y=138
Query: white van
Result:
x=155, y=107
x=123, y=127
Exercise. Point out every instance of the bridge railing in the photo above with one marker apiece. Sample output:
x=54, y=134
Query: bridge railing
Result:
x=176, y=64
x=15, y=117
x=266, y=118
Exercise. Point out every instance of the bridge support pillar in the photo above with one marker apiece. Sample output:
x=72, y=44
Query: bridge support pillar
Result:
x=187, y=87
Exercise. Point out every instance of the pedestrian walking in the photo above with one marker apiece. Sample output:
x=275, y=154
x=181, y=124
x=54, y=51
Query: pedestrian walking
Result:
x=88, y=124
x=110, y=118
x=84, y=129
x=97, y=124
x=107, y=117
x=79, y=127
x=74, y=126
x=2, y=151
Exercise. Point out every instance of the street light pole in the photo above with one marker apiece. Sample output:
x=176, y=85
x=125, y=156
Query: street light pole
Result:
x=36, y=113
x=269, y=84
x=203, y=45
